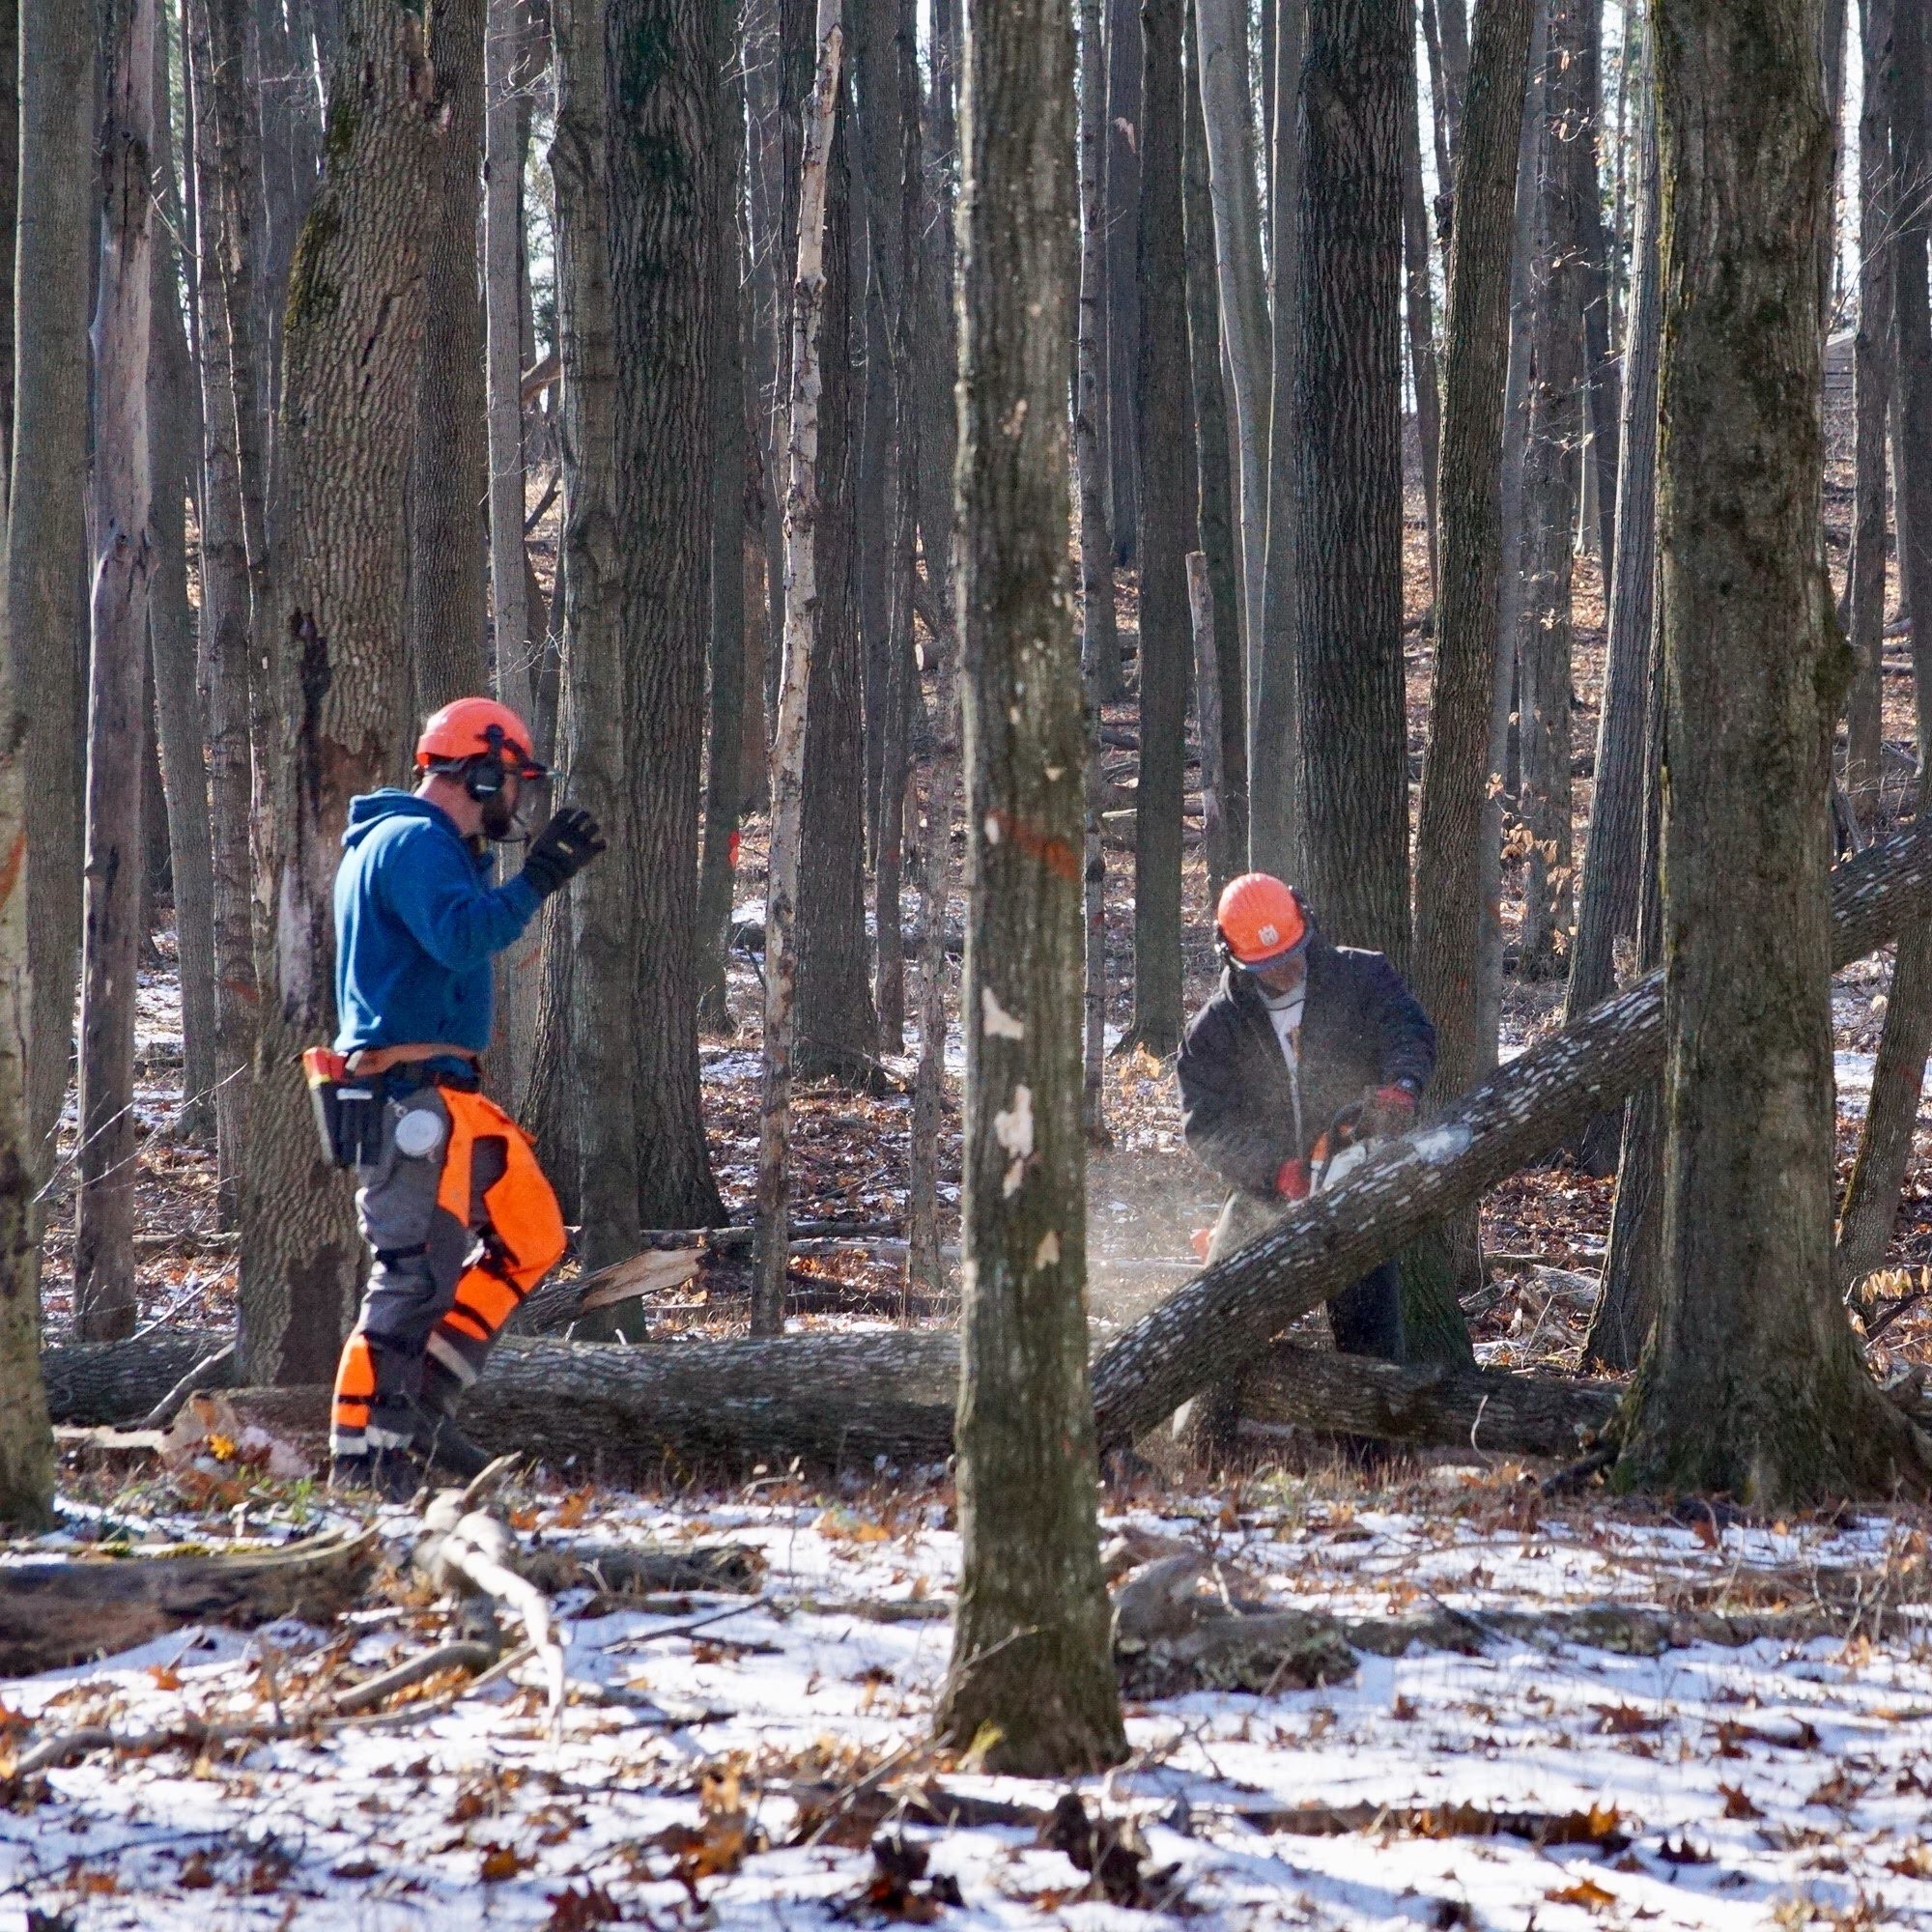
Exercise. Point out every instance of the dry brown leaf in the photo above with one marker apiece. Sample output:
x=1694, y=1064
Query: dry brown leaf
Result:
x=1586, y=1892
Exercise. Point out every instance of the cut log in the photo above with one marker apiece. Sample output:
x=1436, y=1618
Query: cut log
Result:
x=829, y=1398
x=1481, y=1409
x=94, y=1383
x=1207, y=1332
x=60, y=1613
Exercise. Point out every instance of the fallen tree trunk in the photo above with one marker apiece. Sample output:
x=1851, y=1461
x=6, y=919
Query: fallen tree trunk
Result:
x=832, y=1397
x=1207, y=1331
x=1484, y=1408
x=62, y=1612
x=93, y=1383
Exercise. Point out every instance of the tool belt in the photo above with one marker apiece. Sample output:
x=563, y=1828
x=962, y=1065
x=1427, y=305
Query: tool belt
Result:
x=346, y=1091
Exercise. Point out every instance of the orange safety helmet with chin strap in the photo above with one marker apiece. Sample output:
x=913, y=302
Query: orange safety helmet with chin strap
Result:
x=1260, y=922
x=478, y=727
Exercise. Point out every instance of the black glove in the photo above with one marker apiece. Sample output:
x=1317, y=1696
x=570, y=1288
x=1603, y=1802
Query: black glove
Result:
x=561, y=850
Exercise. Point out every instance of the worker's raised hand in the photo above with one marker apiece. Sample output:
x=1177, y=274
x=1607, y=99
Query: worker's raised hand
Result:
x=1387, y=1111
x=561, y=850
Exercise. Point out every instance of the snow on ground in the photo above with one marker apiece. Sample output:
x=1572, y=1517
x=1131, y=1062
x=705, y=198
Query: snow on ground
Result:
x=1781, y=1784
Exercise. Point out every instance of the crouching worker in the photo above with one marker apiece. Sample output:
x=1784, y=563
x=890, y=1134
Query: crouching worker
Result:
x=450, y=1196
x=1305, y=1048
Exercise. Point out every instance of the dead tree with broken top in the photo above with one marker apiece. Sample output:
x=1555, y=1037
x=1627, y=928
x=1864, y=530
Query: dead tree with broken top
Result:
x=788, y=742
x=1032, y=1662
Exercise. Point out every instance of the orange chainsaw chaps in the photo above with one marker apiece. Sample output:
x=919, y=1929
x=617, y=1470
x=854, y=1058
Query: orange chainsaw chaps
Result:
x=517, y=1212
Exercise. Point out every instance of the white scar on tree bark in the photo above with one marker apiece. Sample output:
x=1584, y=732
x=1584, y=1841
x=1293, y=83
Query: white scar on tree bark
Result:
x=1012, y=1129
x=995, y=1021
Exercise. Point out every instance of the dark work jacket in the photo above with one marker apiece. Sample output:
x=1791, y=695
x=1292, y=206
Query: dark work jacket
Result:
x=1361, y=1028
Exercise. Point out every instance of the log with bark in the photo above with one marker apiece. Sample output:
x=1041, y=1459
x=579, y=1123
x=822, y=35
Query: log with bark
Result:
x=62, y=1612
x=1210, y=1329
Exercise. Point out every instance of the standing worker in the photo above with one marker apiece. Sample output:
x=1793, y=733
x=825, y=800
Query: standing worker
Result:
x=1306, y=1047
x=450, y=1196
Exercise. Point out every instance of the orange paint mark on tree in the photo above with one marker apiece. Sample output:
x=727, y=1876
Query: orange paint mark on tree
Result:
x=1054, y=854
x=10, y=872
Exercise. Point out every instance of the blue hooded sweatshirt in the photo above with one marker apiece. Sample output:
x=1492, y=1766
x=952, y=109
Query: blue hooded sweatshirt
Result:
x=416, y=925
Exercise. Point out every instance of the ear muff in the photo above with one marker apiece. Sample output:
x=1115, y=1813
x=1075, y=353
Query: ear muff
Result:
x=483, y=777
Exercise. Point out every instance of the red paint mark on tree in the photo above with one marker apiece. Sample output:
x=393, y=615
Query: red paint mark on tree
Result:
x=1054, y=854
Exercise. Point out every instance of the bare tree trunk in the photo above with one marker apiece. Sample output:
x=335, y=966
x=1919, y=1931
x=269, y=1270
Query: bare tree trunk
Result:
x=1226, y=101
x=924, y=1265
x=801, y=627
x=1872, y=384
x=1602, y=368
x=1613, y=861
x=1452, y=28
x=26, y=1441
x=730, y=607
x=1274, y=756
x=351, y=339
x=663, y=87
x=224, y=658
x=10, y=213
x=500, y=145
x=1124, y=111
x=1884, y=1141
x=47, y=534
x=178, y=710
x=1100, y=643
x=1032, y=1662
x=1753, y=1385
x=1207, y=708
x=603, y=901
x=1168, y=512
x=1418, y=308
x=452, y=481
x=1218, y=512
x=1553, y=472
x=104, y=1249
x=838, y=1024
x=1353, y=726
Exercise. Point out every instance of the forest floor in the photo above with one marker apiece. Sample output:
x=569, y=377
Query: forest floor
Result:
x=736, y=1775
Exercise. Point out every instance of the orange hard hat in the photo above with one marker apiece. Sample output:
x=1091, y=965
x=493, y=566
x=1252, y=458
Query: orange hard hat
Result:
x=477, y=728
x=1260, y=921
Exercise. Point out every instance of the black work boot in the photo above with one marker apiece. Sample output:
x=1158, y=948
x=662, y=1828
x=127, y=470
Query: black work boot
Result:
x=443, y=1446
x=390, y=1475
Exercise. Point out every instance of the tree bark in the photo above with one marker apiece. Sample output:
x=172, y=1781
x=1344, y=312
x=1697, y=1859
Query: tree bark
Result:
x=1218, y=513
x=26, y=1441
x=452, y=478
x=1100, y=643
x=604, y=901
x=1626, y=1309
x=1124, y=112
x=1348, y=559
x=1753, y=1384
x=495, y=346
x=1456, y=766
x=788, y=747
x=1552, y=473
x=175, y=459
x=351, y=340
x=1167, y=533
x=1207, y=708
x=103, y=1248
x=224, y=650
x=47, y=534
x=9, y=212
x=1891, y=1116
x=1208, y=1330
x=924, y=1265
x=1613, y=859
x=1099, y=639
x=1872, y=384
x=662, y=85
x=1274, y=757
x=1603, y=370
x=1031, y=1655
x=1418, y=308
x=1228, y=110
x=730, y=607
